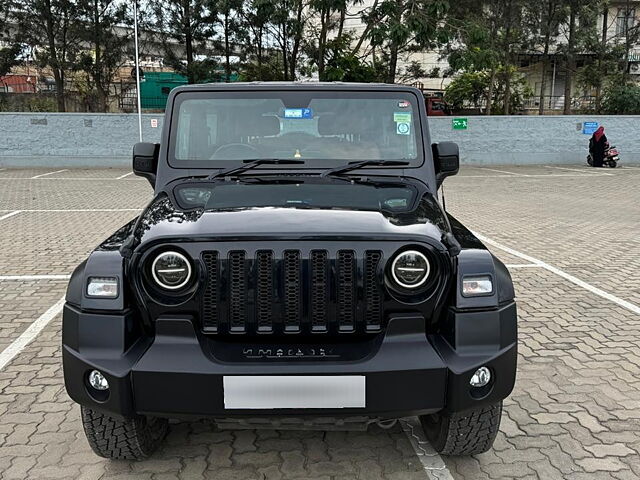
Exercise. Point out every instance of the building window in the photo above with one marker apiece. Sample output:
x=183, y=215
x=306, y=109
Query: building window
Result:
x=625, y=20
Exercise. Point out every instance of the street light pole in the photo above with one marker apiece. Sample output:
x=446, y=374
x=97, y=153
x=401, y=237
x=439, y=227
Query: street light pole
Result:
x=137, y=60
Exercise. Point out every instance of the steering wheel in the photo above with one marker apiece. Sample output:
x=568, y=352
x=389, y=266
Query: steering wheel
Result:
x=235, y=151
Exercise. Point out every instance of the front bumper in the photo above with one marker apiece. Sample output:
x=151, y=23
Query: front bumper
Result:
x=171, y=375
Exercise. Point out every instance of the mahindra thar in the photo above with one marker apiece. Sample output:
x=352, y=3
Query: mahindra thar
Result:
x=295, y=268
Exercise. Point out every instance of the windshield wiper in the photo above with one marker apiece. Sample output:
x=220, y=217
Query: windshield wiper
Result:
x=251, y=163
x=364, y=163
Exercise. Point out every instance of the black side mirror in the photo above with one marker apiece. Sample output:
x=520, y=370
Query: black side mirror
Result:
x=446, y=157
x=145, y=161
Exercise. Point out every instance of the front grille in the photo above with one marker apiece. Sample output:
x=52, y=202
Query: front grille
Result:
x=293, y=291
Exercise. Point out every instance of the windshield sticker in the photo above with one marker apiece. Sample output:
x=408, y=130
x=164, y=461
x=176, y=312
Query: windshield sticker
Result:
x=403, y=128
x=402, y=117
x=403, y=104
x=298, y=113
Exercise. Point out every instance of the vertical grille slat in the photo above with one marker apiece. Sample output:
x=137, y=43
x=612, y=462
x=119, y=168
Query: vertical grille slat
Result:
x=319, y=290
x=346, y=290
x=292, y=294
x=210, y=296
x=238, y=292
x=372, y=293
x=264, y=291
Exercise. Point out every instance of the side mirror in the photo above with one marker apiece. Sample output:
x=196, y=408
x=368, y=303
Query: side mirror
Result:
x=145, y=161
x=446, y=157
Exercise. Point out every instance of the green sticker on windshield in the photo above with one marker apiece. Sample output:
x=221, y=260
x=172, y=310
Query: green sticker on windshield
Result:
x=402, y=117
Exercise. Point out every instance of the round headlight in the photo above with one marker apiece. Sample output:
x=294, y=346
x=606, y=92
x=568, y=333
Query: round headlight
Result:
x=410, y=269
x=171, y=270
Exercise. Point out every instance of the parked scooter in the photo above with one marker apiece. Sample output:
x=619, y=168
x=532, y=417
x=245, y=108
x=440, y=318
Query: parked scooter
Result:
x=611, y=157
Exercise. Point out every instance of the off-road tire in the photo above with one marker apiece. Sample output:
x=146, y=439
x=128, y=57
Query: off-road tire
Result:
x=465, y=433
x=122, y=439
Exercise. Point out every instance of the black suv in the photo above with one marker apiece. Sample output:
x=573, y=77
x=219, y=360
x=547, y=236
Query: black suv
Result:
x=294, y=268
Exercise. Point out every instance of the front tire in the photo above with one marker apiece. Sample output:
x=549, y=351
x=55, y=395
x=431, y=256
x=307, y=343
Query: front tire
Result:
x=122, y=439
x=465, y=433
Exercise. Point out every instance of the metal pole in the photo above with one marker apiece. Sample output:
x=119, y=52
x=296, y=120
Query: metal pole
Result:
x=135, y=35
x=553, y=84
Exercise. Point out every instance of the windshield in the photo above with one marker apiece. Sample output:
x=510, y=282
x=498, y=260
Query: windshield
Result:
x=393, y=197
x=323, y=128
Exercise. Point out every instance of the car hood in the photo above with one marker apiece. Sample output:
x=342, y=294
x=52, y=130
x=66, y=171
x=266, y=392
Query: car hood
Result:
x=164, y=220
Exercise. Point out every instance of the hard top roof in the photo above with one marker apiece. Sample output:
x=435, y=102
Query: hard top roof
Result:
x=298, y=85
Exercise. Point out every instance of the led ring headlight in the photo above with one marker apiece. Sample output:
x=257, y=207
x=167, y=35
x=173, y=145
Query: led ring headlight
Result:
x=410, y=269
x=171, y=270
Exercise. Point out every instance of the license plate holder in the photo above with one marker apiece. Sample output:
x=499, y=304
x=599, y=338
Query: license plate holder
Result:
x=268, y=392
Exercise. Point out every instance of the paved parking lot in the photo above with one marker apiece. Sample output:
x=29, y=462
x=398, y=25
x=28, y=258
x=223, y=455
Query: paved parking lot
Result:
x=570, y=235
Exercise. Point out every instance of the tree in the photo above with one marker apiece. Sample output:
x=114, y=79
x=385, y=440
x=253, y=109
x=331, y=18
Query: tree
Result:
x=324, y=11
x=189, y=24
x=287, y=26
x=622, y=98
x=52, y=27
x=344, y=66
x=467, y=88
x=545, y=18
x=630, y=33
x=98, y=20
x=229, y=14
x=579, y=27
x=474, y=47
x=255, y=21
x=488, y=42
x=8, y=54
x=402, y=26
x=471, y=88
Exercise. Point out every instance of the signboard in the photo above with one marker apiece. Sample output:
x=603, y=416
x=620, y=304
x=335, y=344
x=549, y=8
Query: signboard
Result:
x=154, y=123
x=459, y=123
x=589, y=127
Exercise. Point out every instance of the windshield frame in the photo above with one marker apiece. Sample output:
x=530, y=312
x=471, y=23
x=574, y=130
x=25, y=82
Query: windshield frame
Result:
x=310, y=163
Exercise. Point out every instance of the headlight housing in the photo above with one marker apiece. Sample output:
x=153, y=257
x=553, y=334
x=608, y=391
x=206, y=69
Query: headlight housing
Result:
x=410, y=269
x=171, y=270
x=102, y=287
x=477, y=285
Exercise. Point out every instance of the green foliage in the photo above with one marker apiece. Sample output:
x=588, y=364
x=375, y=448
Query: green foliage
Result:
x=401, y=26
x=98, y=21
x=470, y=89
x=190, y=23
x=349, y=68
x=270, y=69
x=8, y=58
x=622, y=99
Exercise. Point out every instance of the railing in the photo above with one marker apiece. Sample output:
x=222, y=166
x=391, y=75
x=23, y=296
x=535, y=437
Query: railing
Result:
x=556, y=102
x=551, y=103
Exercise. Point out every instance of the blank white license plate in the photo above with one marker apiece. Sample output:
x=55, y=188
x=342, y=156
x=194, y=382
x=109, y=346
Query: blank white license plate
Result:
x=294, y=391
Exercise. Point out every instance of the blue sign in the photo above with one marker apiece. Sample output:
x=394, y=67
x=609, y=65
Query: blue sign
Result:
x=298, y=113
x=588, y=128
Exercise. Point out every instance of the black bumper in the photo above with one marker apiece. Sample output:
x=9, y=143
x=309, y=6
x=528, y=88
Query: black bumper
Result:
x=170, y=375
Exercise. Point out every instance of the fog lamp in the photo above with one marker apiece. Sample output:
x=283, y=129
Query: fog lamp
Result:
x=481, y=377
x=102, y=287
x=477, y=286
x=97, y=380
